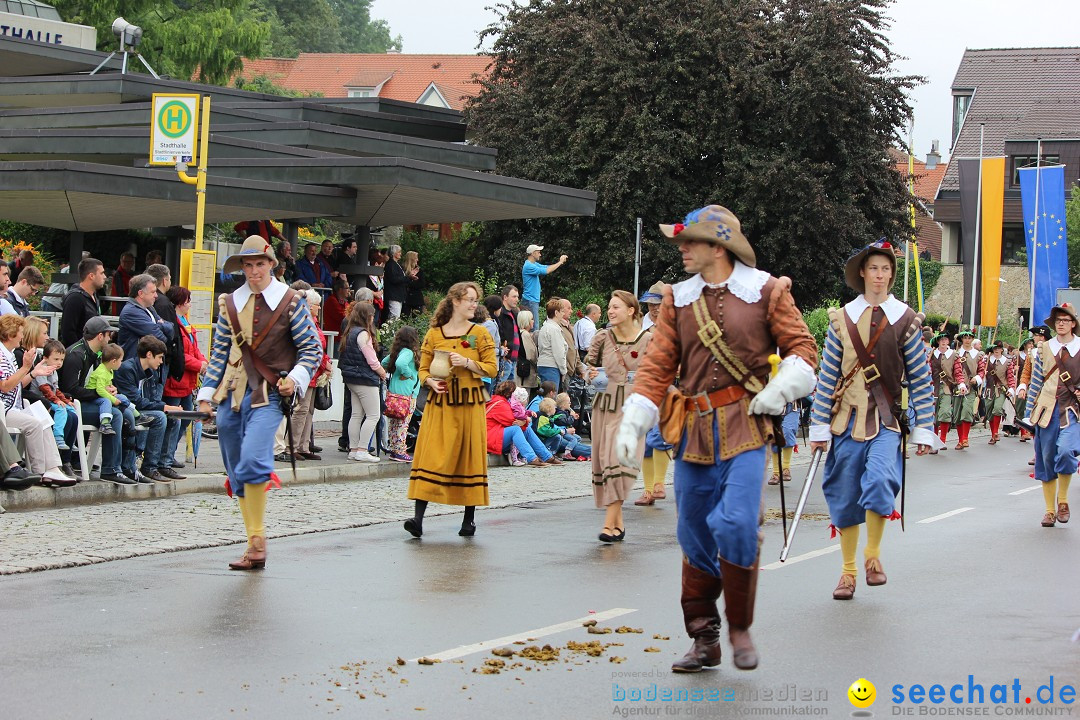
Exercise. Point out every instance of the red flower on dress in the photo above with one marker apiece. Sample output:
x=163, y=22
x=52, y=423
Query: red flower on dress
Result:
x=633, y=353
x=464, y=343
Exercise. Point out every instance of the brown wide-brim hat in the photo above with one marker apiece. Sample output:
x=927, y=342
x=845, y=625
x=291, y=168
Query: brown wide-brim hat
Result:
x=1066, y=308
x=254, y=247
x=713, y=224
x=854, y=264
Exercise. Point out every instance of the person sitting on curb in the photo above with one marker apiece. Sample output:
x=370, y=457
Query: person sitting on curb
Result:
x=138, y=378
x=505, y=432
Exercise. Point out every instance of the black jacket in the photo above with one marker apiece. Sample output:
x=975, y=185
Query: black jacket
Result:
x=78, y=306
x=415, y=296
x=79, y=362
x=141, y=387
x=175, y=354
x=395, y=286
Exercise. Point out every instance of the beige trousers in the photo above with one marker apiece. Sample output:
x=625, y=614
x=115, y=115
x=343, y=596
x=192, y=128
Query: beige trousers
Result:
x=40, y=444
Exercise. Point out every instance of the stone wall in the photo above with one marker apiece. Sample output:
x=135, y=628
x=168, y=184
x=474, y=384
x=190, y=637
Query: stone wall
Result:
x=948, y=296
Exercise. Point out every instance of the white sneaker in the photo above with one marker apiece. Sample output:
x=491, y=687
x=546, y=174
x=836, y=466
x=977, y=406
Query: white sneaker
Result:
x=354, y=454
x=364, y=456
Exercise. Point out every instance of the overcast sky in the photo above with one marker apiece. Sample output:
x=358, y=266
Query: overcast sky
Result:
x=932, y=34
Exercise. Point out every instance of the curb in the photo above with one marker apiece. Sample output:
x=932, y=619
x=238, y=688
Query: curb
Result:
x=98, y=491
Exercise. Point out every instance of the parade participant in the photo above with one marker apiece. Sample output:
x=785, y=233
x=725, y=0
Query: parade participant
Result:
x=618, y=350
x=1023, y=364
x=968, y=369
x=1038, y=336
x=941, y=370
x=450, y=460
x=717, y=330
x=1000, y=380
x=264, y=331
x=1053, y=407
x=781, y=457
x=873, y=344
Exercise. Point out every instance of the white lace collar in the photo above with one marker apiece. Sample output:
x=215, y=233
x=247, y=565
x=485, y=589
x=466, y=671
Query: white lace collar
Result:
x=992, y=360
x=970, y=351
x=272, y=294
x=744, y=283
x=894, y=309
x=946, y=354
x=1074, y=346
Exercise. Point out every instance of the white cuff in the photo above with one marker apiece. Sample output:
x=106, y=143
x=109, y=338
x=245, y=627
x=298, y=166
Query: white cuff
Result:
x=640, y=401
x=978, y=380
x=925, y=436
x=1020, y=387
x=820, y=433
x=206, y=393
x=301, y=379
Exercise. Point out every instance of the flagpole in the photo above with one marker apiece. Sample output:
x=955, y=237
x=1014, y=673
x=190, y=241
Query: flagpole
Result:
x=978, y=230
x=911, y=202
x=1035, y=239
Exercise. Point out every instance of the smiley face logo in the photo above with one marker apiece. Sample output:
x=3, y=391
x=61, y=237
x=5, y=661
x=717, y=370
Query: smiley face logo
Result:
x=862, y=693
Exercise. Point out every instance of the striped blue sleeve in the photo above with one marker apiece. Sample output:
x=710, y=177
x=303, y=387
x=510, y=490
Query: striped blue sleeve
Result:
x=219, y=356
x=1036, y=384
x=828, y=375
x=920, y=385
x=309, y=351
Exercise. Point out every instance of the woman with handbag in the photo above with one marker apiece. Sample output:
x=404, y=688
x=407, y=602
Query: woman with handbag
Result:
x=402, y=389
x=180, y=392
x=303, y=409
x=363, y=375
x=617, y=351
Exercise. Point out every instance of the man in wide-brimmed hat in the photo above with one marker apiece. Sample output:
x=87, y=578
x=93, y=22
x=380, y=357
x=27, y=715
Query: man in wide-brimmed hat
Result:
x=265, y=347
x=650, y=301
x=1053, y=407
x=969, y=368
x=717, y=330
x=872, y=345
x=1000, y=379
x=941, y=370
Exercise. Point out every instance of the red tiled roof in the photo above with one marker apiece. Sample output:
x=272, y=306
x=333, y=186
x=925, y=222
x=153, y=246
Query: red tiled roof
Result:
x=332, y=73
x=926, y=181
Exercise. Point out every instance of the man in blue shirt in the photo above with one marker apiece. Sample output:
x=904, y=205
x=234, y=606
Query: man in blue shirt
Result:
x=530, y=281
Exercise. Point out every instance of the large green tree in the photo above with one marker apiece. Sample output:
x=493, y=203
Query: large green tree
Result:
x=782, y=110
x=179, y=36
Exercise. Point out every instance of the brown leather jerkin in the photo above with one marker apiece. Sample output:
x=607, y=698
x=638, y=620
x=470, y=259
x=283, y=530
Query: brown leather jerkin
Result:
x=882, y=398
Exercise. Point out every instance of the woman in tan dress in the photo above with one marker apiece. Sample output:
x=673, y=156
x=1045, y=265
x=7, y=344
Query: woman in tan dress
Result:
x=615, y=352
x=450, y=462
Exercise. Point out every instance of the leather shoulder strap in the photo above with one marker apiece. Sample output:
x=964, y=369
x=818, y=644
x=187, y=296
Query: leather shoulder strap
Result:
x=286, y=301
x=252, y=363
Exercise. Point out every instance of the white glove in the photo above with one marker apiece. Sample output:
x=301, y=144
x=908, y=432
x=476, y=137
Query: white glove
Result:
x=636, y=421
x=788, y=385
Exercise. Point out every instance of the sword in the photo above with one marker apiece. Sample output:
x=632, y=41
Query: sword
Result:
x=814, y=462
x=286, y=403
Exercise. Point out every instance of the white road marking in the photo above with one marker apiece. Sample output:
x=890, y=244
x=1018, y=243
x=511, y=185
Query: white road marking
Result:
x=1027, y=489
x=463, y=650
x=944, y=515
x=799, y=558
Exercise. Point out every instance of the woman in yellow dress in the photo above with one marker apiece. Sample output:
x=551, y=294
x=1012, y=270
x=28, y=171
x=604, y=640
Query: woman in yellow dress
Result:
x=616, y=351
x=450, y=462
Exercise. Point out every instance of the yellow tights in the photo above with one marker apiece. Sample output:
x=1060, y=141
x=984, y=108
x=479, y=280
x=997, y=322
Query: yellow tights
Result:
x=253, y=509
x=849, y=541
x=787, y=461
x=654, y=469
x=1056, y=491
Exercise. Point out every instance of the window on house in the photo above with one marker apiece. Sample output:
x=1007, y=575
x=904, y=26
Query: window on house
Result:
x=361, y=92
x=1013, y=245
x=961, y=103
x=1028, y=161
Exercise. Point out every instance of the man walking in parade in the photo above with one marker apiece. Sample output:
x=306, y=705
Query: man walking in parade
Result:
x=1000, y=379
x=968, y=370
x=941, y=370
x=1053, y=406
x=872, y=344
x=265, y=347
x=717, y=331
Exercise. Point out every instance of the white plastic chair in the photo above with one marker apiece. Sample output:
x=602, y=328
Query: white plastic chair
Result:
x=87, y=454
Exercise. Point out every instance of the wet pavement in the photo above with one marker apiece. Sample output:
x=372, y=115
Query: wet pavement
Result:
x=975, y=587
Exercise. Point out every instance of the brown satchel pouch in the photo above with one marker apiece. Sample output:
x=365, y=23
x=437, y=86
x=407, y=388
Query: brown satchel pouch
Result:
x=673, y=412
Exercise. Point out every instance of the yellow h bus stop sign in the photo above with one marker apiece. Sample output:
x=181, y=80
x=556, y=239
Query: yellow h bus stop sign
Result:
x=174, y=129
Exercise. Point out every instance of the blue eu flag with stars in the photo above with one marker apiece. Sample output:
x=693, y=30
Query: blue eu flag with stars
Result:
x=1047, y=251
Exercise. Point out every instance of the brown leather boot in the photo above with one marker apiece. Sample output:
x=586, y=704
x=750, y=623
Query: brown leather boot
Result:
x=740, y=591
x=700, y=591
x=254, y=557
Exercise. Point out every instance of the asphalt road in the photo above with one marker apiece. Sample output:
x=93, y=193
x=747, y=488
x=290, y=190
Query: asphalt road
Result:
x=983, y=591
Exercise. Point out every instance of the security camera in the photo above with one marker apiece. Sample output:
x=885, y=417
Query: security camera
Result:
x=129, y=34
